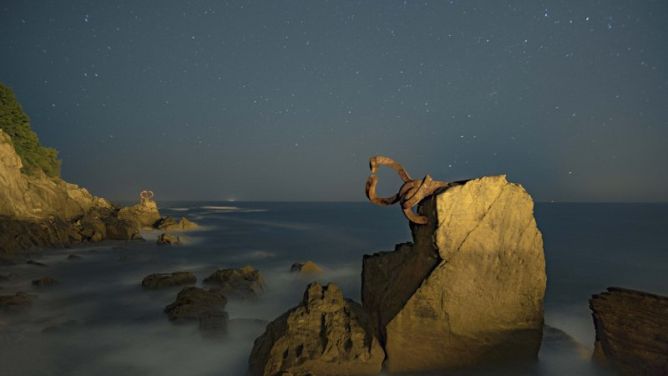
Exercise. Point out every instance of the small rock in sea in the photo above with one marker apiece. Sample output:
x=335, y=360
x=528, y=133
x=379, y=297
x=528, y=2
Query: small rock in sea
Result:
x=73, y=257
x=324, y=335
x=61, y=327
x=33, y=262
x=244, y=282
x=167, y=239
x=160, y=280
x=205, y=306
x=170, y=224
x=308, y=267
x=44, y=281
x=16, y=303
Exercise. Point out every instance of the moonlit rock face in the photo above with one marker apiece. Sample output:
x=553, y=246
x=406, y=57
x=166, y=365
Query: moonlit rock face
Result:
x=326, y=335
x=34, y=197
x=469, y=289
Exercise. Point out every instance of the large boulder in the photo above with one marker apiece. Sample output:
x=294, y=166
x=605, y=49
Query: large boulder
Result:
x=144, y=214
x=307, y=268
x=194, y=304
x=631, y=331
x=469, y=289
x=325, y=335
x=244, y=282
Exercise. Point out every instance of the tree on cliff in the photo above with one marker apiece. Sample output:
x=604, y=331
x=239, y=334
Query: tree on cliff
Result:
x=16, y=124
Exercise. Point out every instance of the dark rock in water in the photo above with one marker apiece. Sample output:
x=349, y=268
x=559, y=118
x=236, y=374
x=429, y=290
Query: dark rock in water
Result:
x=62, y=327
x=244, y=282
x=44, y=282
x=631, y=331
x=469, y=290
x=325, y=335
x=201, y=305
x=6, y=277
x=16, y=303
x=73, y=257
x=308, y=267
x=170, y=224
x=36, y=263
x=168, y=239
x=161, y=280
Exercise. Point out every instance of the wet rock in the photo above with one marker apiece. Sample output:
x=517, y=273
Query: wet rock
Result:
x=168, y=239
x=162, y=280
x=36, y=263
x=631, y=331
x=73, y=257
x=308, y=267
x=16, y=303
x=324, y=335
x=244, y=282
x=170, y=224
x=206, y=306
x=469, y=289
x=44, y=282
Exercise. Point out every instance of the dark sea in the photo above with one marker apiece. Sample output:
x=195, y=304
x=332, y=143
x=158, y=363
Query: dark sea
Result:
x=99, y=321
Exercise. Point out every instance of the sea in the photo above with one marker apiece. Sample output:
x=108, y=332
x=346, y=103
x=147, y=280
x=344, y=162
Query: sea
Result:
x=99, y=321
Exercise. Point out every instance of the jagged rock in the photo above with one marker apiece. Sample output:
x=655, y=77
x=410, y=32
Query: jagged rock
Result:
x=15, y=303
x=244, y=282
x=201, y=305
x=169, y=224
x=325, y=335
x=161, y=280
x=144, y=214
x=17, y=235
x=168, y=239
x=44, y=282
x=631, y=331
x=308, y=267
x=469, y=289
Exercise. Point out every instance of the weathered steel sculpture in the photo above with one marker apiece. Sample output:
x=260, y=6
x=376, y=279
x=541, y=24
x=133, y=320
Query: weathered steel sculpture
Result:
x=410, y=193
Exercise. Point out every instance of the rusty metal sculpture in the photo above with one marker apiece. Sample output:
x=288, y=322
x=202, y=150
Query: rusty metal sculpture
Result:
x=410, y=193
x=145, y=196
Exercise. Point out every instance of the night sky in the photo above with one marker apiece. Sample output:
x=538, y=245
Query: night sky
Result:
x=286, y=100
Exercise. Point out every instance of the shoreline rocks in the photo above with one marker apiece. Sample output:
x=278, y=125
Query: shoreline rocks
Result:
x=45, y=282
x=631, y=331
x=168, y=239
x=469, y=290
x=170, y=224
x=325, y=335
x=18, y=302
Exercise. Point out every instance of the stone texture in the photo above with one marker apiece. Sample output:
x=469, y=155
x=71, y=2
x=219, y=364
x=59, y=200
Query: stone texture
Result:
x=144, y=214
x=170, y=224
x=308, y=267
x=469, y=289
x=244, y=282
x=162, y=280
x=631, y=331
x=325, y=335
x=168, y=239
x=200, y=305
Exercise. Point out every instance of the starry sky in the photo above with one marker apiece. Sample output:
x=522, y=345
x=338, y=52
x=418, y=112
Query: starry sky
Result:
x=286, y=100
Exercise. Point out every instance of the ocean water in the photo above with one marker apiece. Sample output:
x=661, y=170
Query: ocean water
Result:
x=99, y=321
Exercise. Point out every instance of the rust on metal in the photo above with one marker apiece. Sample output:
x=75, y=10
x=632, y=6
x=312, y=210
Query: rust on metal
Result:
x=410, y=193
